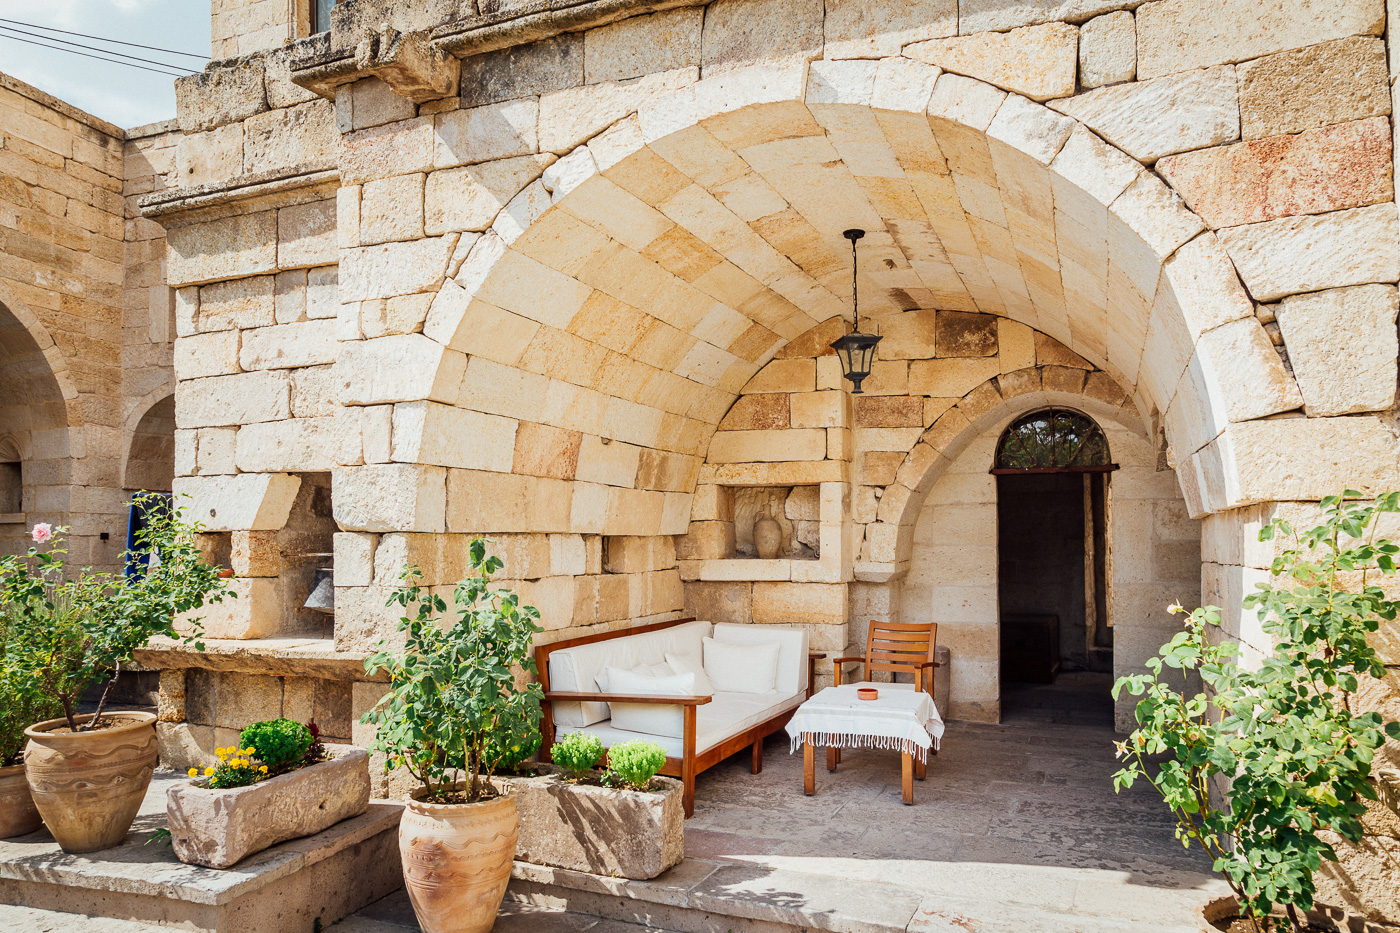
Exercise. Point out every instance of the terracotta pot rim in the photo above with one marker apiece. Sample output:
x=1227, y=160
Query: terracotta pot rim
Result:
x=136, y=720
x=414, y=802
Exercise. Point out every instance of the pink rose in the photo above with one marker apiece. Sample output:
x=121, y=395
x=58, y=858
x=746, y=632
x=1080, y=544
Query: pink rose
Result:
x=42, y=533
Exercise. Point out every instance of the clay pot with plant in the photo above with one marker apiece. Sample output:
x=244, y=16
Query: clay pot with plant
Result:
x=459, y=706
x=88, y=773
x=1266, y=762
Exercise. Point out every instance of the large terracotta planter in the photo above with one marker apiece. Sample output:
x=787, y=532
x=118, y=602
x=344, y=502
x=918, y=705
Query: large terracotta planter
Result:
x=1321, y=916
x=602, y=830
x=456, y=861
x=89, y=785
x=18, y=815
x=217, y=828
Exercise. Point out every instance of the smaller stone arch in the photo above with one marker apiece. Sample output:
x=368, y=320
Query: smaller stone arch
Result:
x=149, y=463
x=1052, y=439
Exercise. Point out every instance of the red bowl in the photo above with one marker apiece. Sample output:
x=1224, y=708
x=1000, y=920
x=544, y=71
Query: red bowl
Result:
x=868, y=693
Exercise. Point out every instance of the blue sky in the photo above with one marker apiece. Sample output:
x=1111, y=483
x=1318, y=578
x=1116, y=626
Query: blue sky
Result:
x=124, y=96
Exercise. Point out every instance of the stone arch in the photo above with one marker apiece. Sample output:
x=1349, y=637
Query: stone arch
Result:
x=1000, y=202
x=148, y=462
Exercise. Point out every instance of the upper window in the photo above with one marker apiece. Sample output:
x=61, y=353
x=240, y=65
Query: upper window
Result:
x=1053, y=439
x=11, y=477
x=321, y=15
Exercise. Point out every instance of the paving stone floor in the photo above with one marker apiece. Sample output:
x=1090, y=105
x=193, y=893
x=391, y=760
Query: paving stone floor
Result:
x=1016, y=823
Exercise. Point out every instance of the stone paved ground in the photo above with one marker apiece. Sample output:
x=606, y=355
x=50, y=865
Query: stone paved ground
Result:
x=1017, y=823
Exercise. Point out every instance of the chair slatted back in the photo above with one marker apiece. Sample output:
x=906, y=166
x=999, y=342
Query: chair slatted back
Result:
x=900, y=648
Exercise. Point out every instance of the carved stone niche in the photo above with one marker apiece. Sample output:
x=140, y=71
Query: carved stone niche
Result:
x=796, y=509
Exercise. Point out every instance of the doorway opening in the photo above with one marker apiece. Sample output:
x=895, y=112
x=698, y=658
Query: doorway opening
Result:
x=1053, y=474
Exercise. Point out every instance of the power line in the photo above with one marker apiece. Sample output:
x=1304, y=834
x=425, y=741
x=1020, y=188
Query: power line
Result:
x=114, y=61
x=79, y=45
x=83, y=35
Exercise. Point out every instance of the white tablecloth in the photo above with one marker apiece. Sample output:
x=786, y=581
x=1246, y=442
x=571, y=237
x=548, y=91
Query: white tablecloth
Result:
x=898, y=720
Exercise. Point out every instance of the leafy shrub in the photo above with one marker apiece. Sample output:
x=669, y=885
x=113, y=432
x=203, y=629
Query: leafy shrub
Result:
x=636, y=762
x=510, y=757
x=460, y=698
x=69, y=626
x=1283, y=738
x=21, y=704
x=578, y=753
x=277, y=742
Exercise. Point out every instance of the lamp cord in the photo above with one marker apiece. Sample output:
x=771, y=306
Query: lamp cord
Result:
x=855, y=305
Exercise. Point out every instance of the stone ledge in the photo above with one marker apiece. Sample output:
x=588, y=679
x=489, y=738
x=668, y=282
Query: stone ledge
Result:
x=328, y=875
x=309, y=177
x=309, y=657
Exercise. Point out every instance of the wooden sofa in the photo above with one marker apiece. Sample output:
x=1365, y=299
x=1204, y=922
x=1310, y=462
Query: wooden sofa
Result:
x=713, y=727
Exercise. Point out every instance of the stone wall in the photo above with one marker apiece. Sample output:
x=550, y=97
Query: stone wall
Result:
x=61, y=337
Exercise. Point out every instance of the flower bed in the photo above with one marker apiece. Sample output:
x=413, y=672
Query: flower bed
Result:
x=217, y=828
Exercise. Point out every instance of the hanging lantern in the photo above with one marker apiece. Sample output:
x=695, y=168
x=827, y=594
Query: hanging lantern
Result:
x=855, y=350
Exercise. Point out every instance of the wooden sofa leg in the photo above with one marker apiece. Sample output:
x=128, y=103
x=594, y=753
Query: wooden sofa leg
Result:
x=688, y=795
x=757, y=767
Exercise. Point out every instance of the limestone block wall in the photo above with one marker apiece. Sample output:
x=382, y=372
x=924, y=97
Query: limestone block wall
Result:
x=61, y=235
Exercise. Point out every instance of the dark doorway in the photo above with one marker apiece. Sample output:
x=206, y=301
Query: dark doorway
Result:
x=1052, y=577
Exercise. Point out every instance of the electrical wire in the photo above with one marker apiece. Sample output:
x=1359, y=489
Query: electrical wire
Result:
x=160, y=71
x=89, y=48
x=83, y=35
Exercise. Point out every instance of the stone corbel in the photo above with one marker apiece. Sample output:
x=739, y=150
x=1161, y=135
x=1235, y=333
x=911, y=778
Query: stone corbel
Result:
x=408, y=63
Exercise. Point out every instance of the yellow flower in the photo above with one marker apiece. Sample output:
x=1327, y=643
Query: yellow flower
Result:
x=249, y=751
x=263, y=769
x=208, y=772
x=194, y=772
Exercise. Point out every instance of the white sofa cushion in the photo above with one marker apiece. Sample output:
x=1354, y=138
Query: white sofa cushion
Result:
x=792, y=650
x=649, y=718
x=576, y=669
x=742, y=668
x=646, y=670
x=726, y=715
x=692, y=664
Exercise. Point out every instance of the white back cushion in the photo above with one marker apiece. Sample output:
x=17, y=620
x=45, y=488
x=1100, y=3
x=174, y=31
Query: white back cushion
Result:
x=646, y=717
x=742, y=668
x=792, y=650
x=576, y=670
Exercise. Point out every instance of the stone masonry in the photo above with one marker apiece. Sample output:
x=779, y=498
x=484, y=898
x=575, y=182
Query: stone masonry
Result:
x=565, y=276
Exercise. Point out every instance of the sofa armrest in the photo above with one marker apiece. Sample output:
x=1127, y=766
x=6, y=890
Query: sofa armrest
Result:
x=624, y=698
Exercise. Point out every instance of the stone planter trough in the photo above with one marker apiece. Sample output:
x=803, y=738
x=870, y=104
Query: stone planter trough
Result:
x=618, y=833
x=217, y=828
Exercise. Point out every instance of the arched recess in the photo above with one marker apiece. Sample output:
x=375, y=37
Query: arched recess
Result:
x=947, y=559
x=34, y=416
x=149, y=461
x=617, y=307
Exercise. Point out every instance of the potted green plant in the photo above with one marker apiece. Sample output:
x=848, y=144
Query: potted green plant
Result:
x=278, y=783
x=20, y=705
x=1265, y=761
x=621, y=821
x=459, y=703
x=88, y=773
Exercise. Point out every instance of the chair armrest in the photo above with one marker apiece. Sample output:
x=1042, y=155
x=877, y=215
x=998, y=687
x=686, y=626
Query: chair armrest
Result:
x=848, y=661
x=923, y=664
x=624, y=698
x=816, y=655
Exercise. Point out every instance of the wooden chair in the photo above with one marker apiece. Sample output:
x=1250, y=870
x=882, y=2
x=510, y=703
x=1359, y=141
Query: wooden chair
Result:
x=900, y=649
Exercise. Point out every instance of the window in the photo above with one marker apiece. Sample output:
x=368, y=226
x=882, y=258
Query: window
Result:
x=1053, y=439
x=321, y=15
x=11, y=478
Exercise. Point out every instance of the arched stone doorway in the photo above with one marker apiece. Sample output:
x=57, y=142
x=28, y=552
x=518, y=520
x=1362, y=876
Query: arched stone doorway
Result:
x=150, y=455
x=958, y=552
x=34, y=432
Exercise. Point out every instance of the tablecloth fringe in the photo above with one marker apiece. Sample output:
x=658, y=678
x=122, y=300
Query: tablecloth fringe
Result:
x=861, y=740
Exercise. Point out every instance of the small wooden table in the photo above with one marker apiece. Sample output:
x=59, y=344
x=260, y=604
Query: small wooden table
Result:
x=903, y=719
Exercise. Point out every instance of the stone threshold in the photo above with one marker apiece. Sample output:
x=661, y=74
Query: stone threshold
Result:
x=285, y=888
x=279, y=657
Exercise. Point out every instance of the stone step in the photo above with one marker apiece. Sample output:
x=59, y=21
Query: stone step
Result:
x=394, y=914
x=282, y=890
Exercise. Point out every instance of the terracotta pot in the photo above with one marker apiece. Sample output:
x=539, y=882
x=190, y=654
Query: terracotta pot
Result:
x=767, y=537
x=457, y=860
x=89, y=785
x=1321, y=916
x=18, y=815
